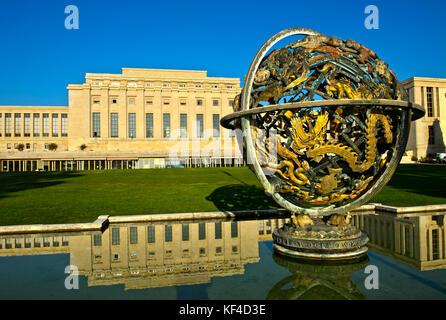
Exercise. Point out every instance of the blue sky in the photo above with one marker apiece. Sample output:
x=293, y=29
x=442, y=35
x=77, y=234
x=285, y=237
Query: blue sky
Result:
x=39, y=57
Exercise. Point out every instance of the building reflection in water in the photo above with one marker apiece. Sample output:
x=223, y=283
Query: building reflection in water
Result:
x=148, y=255
x=417, y=239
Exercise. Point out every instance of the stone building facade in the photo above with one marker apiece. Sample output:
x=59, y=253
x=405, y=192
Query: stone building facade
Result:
x=140, y=118
x=427, y=135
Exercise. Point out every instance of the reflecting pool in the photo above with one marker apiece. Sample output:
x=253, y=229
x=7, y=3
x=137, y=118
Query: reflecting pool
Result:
x=222, y=259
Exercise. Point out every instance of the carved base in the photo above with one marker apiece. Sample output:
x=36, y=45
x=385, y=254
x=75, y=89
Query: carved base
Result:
x=320, y=241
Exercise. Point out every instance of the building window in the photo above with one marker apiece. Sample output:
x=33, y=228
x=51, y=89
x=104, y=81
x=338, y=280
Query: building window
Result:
x=215, y=103
x=185, y=232
x=430, y=102
x=229, y=87
x=183, y=102
x=97, y=239
x=261, y=228
x=64, y=241
x=167, y=233
x=133, y=235
x=132, y=102
x=132, y=125
x=214, y=86
x=7, y=124
x=166, y=125
x=181, y=85
x=201, y=231
x=234, y=229
x=216, y=125
x=114, y=100
x=36, y=124
x=114, y=124
x=115, y=236
x=435, y=244
x=199, y=125
x=17, y=124
x=199, y=102
x=231, y=103
x=96, y=101
x=149, y=102
x=46, y=125
x=218, y=234
x=268, y=227
x=198, y=86
x=55, y=122
x=149, y=125
x=431, y=135
x=27, y=125
x=64, y=125
x=165, y=85
x=151, y=234
x=96, y=124
x=183, y=125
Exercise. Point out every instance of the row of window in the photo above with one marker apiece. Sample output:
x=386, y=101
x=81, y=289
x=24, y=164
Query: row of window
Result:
x=147, y=163
x=166, y=102
x=151, y=255
x=149, y=125
x=168, y=254
x=18, y=243
x=185, y=236
x=165, y=85
x=37, y=125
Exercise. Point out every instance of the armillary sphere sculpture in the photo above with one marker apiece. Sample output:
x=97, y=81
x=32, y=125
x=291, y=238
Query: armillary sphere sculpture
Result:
x=324, y=129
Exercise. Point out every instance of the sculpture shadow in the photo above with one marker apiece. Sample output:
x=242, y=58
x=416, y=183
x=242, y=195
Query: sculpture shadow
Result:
x=237, y=197
x=13, y=182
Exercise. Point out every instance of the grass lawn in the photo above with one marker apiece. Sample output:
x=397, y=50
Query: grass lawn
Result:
x=70, y=197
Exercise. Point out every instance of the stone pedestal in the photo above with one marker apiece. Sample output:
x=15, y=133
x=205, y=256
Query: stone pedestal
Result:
x=320, y=241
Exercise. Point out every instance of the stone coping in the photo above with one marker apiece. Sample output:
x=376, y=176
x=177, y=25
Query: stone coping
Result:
x=103, y=221
x=408, y=210
x=98, y=225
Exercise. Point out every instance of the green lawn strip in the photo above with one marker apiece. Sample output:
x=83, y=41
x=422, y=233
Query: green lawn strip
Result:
x=72, y=197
